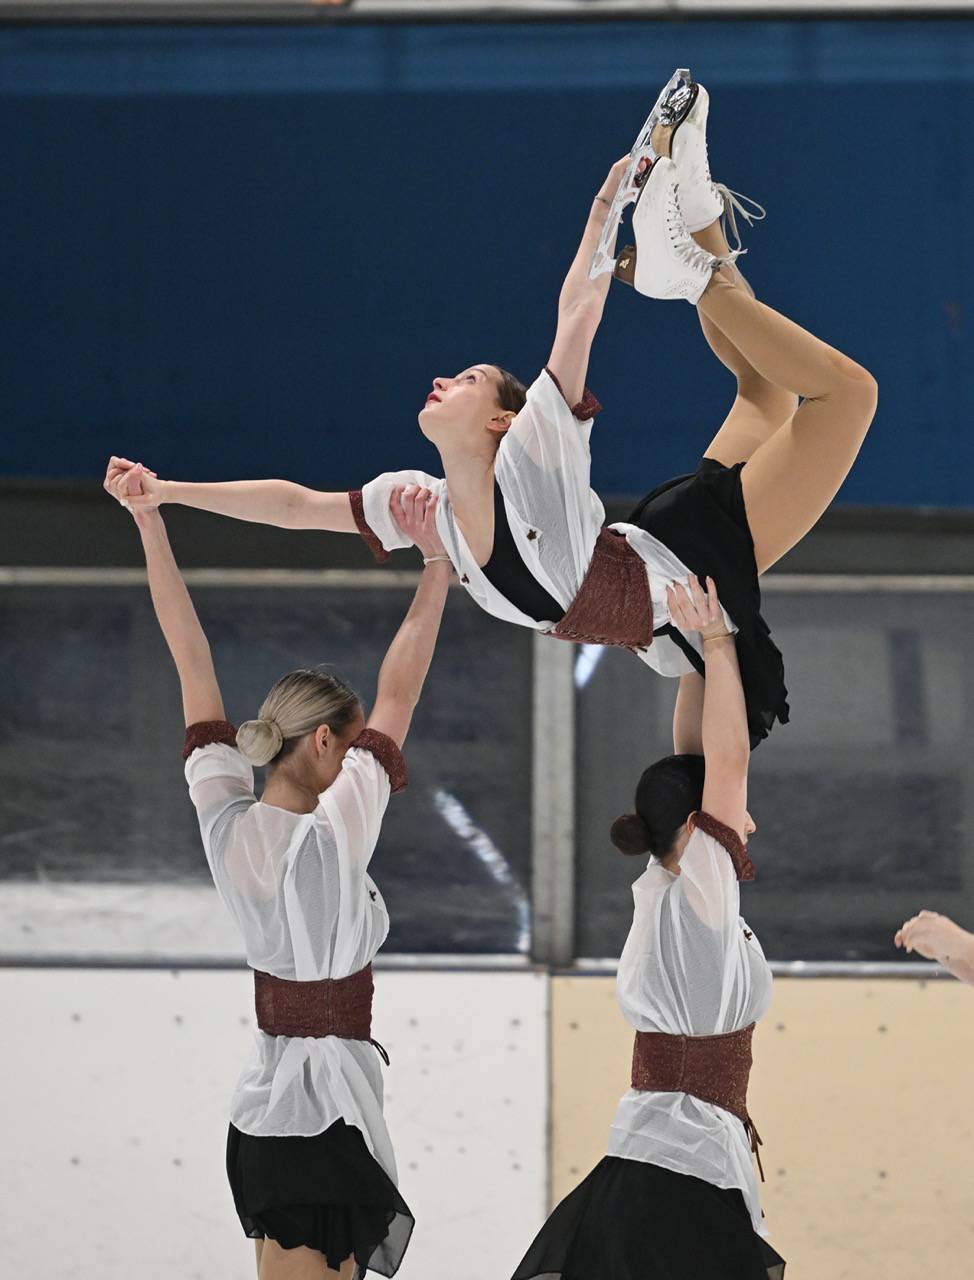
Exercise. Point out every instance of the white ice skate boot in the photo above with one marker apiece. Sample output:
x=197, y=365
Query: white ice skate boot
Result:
x=704, y=201
x=666, y=261
x=674, y=102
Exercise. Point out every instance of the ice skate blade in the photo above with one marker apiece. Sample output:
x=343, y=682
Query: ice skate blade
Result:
x=672, y=107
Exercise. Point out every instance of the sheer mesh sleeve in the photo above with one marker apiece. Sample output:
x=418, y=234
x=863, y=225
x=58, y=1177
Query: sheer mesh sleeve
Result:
x=221, y=784
x=708, y=881
x=354, y=805
x=684, y=969
x=544, y=470
x=370, y=507
x=547, y=431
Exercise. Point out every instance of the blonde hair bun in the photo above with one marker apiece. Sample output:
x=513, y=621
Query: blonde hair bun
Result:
x=259, y=741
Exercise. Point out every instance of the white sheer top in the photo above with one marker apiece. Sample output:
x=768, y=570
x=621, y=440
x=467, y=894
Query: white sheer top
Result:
x=297, y=885
x=690, y=966
x=543, y=469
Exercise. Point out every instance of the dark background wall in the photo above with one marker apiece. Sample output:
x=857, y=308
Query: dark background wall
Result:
x=245, y=251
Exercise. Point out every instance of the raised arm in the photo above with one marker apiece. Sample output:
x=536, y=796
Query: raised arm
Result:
x=688, y=716
x=174, y=609
x=404, y=668
x=276, y=502
x=582, y=300
x=726, y=745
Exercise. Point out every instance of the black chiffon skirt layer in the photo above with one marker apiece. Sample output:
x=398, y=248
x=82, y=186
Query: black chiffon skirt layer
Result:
x=634, y=1221
x=327, y=1193
x=702, y=519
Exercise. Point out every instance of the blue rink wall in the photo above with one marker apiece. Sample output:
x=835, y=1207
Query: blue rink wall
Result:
x=244, y=251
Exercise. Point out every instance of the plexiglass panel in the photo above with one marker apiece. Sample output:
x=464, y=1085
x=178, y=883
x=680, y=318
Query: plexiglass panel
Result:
x=864, y=803
x=91, y=736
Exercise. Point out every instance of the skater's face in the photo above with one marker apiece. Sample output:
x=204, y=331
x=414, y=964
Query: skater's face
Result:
x=464, y=409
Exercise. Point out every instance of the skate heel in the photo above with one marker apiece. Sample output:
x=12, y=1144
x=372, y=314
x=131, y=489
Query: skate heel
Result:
x=679, y=101
x=625, y=267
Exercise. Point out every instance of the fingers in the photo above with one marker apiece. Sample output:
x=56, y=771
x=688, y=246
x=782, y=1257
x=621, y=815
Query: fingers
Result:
x=429, y=515
x=712, y=601
x=697, y=595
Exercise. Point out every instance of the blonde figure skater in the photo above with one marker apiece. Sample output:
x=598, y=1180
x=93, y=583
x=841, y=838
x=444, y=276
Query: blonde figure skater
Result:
x=517, y=514
x=309, y=1158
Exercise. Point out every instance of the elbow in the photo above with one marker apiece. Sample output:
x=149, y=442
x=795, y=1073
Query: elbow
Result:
x=581, y=310
x=293, y=504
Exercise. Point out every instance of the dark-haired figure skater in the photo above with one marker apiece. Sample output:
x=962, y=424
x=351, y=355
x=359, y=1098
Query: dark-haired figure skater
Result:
x=517, y=513
x=309, y=1158
x=676, y=1196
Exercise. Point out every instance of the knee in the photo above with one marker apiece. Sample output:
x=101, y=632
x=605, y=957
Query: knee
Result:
x=858, y=386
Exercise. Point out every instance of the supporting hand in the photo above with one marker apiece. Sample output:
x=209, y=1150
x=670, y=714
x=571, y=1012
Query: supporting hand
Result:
x=414, y=511
x=698, y=610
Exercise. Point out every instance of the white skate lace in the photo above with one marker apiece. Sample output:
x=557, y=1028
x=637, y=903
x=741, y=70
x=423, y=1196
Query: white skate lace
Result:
x=733, y=200
x=683, y=244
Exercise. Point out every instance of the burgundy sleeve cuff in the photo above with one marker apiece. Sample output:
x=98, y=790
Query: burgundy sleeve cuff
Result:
x=586, y=408
x=387, y=754
x=728, y=838
x=204, y=732
x=372, y=540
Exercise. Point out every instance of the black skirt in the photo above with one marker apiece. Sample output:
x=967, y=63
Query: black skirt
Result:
x=702, y=519
x=327, y=1193
x=634, y=1221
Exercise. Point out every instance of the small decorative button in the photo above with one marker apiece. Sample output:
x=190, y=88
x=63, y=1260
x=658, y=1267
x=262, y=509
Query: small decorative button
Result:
x=532, y=534
x=465, y=579
x=372, y=894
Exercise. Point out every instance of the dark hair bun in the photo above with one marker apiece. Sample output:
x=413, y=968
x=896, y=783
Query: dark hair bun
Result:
x=630, y=834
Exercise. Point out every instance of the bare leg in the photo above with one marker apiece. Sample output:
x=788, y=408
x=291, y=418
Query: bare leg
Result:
x=792, y=477
x=259, y=1247
x=760, y=407
x=277, y=1263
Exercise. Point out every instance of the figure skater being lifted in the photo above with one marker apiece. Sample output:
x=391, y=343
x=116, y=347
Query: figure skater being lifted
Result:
x=516, y=511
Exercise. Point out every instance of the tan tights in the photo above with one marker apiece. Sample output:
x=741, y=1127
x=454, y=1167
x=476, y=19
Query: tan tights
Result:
x=276, y=1263
x=796, y=458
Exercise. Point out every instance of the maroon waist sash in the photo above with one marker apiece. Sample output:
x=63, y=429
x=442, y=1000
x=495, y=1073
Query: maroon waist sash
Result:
x=715, y=1069
x=327, y=1007
x=613, y=604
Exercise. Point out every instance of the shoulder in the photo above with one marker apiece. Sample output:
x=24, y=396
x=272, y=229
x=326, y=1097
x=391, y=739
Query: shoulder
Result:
x=378, y=751
x=210, y=748
x=584, y=410
x=708, y=828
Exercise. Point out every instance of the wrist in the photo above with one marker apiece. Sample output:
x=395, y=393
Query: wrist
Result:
x=712, y=637
x=148, y=522
x=436, y=560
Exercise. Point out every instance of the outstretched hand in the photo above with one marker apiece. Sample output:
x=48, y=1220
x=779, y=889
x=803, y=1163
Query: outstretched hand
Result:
x=697, y=610
x=413, y=509
x=146, y=495
x=928, y=933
